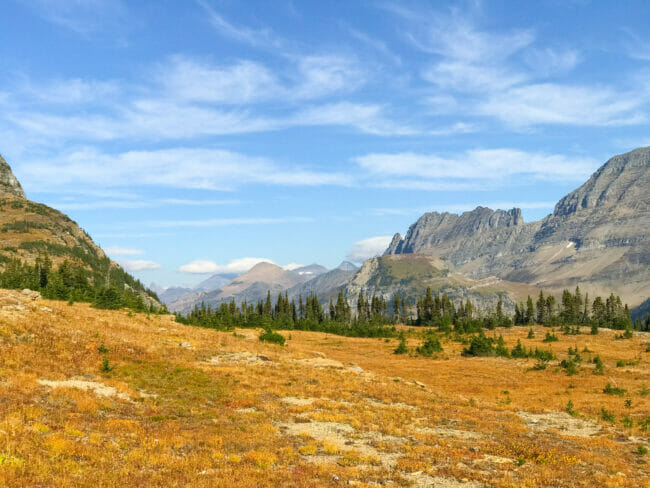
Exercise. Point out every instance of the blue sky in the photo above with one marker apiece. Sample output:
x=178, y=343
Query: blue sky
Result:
x=193, y=137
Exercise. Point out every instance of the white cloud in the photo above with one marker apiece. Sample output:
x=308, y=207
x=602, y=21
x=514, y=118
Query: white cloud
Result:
x=368, y=248
x=138, y=265
x=292, y=266
x=122, y=251
x=225, y=222
x=550, y=103
x=126, y=204
x=322, y=75
x=367, y=118
x=212, y=169
x=236, y=266
x=476, y=164
x=497, y=74
x=465, y=77
x=242, y=82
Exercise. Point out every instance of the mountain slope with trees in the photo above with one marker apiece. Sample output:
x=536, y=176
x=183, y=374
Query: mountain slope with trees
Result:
x=44, y=250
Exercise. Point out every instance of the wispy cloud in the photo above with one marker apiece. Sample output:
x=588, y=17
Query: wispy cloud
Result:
x=188, y=98
x=128, y=204
x=212, y=169
x=261, y=38
x=376, y=44
x=122, y=251
x=189, y=80
x=134, y=265
x=505, y=75
x=562, y=104
x=227, y=222
x=479, y=165
x=368, y=248
x=636, y=47
x=84, y=17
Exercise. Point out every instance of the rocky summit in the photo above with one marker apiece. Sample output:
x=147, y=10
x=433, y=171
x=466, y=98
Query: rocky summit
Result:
x=9, y=185
x=596, y=237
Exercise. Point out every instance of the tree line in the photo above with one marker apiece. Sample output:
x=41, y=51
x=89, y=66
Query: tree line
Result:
x=373, y=316
x=75, y=283
x=574, y=309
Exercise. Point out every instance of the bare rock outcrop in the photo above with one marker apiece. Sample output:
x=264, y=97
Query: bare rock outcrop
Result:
x=8, y=182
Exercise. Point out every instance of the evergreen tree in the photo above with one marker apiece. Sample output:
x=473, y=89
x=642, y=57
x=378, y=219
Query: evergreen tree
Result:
x=530, y=311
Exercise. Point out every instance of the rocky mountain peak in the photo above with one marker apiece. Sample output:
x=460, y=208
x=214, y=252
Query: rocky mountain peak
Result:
x=622, y=181
x=8, y=182
x=433, y=228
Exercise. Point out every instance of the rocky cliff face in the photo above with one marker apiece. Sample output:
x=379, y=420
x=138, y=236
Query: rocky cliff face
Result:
x=9, y=185
x=596, y=237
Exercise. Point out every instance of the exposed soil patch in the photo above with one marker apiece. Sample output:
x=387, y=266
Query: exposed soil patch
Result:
x=291, y=400
x=560, y=421
x=98, y=389
x=427, y=481
x=239, y=357
x=346, y=439
x=449, y=433
x=321, y=363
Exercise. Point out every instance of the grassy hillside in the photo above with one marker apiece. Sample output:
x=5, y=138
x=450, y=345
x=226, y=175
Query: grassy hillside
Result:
x=409, y=276
x=95, y=398
x=29, y=231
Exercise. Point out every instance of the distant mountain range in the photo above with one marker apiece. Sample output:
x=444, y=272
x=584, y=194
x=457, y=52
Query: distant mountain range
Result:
x=251, y=286
x=596, y=238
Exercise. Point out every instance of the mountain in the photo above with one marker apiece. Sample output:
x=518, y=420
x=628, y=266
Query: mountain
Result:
x=250, y=286
x=641, y=311
x=347, y=266
x=28, y=230
x=215, y=282
x=311, y=271
x=325, y=285
x=596, y=237
x=174, y=293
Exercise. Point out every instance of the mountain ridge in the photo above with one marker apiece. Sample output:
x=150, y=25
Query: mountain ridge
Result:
x=596, y=237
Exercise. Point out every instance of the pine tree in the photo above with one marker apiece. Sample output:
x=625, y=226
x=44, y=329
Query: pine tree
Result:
x=541, y=308
x=530, y=311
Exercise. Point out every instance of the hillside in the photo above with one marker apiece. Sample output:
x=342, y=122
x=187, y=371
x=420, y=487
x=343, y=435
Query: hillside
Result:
x=326, y=285
x=29, y=230
x=409, y=275
x=96, y=398
x=597, y=237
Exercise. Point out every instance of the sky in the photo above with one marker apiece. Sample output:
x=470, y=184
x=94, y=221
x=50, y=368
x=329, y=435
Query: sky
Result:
x=199, y=137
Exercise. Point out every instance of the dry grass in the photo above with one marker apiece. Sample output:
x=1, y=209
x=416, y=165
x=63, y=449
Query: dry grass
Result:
x=322, y=411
